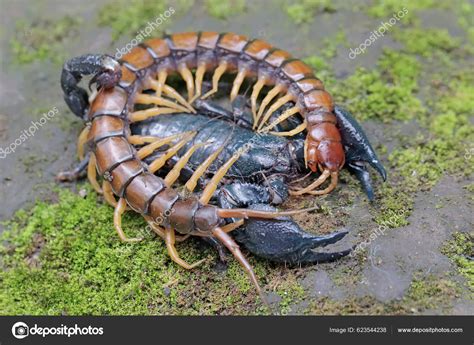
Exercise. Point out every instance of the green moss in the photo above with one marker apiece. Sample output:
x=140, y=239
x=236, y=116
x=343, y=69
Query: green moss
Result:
x=461, y=250
x=425, y=41
x=450, y=132
x=65, y=258
x=394, y=206
x=430, y=293
x=387, y=93
x=223, y=9
x=290, y=292
x=385, y=9
x=42, y=40
x=303, y=11
x=134, y=15
x=465, y=14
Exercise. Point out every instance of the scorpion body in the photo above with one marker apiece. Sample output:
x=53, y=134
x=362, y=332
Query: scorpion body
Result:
x=124, y=86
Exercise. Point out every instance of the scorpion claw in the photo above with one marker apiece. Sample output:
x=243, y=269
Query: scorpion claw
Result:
x=358, y=150
x=360, y=171
x=282, y=240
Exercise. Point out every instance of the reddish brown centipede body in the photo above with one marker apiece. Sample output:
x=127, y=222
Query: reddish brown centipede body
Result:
x=146, y=68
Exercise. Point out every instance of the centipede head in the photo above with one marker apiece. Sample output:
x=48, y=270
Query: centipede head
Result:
x=324, y=155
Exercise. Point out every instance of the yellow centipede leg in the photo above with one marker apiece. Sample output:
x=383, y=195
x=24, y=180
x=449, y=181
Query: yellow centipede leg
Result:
x=253, y=98
x=201, y=169
x=220, y=70
x=81, y=141
x=160, y=161
x=170, y=92
x=143, y=98
x=268, y=98
x=142, y=139
x=239, y=79
x=142, y=115
x=147, y=150
x=173, y=175
x=162, y=75
x=291, y=133
x=119, y=211
x=92, y=174
x=288, y=113
x=200, y=71
x=232, y=226
x=188, y=78
x=173, y=253
x=109, y=194
x=274, y=107
x=212, y=185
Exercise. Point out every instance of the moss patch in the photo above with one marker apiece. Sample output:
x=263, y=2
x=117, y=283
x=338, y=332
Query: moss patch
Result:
x=387, y=93
x=223, y=9
x=65, y=258
x=461, y=251
x=425, y=42
x=303, y=11
x=42, y=40
x=134, y=15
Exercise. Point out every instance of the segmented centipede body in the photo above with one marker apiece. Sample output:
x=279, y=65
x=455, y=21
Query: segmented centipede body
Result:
x=231, y=53
x=147, y=67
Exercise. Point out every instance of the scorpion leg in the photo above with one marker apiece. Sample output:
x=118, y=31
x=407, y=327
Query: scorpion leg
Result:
x=119, y=211
x=213, y=110
x=220, y=70
x=358, y=150
x=282, y=240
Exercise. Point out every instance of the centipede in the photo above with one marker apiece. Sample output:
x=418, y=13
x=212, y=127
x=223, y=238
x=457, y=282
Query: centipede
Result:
x=135, y=89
